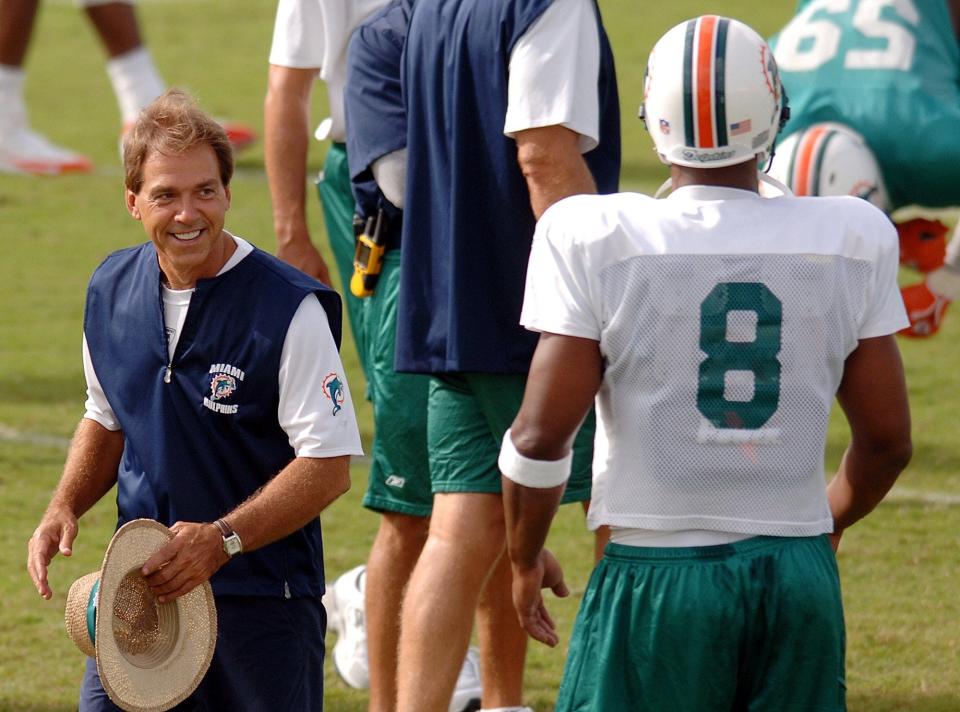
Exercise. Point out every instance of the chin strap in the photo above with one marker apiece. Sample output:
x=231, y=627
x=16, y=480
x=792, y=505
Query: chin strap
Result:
x=665, y=187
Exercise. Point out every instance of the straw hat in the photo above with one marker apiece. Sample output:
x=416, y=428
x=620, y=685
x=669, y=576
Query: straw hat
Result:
x=150, y=655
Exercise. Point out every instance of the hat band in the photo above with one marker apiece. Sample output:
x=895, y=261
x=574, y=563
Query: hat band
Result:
x=92, y=612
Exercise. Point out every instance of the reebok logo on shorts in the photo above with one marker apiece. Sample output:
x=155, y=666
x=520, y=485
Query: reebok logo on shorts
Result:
x=394, y=481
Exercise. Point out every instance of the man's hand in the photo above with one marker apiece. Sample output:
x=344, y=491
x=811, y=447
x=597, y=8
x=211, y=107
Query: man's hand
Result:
x=186, y=561
x=924, y=309
x=527, y=583
x=55, y=533
x=302, y=254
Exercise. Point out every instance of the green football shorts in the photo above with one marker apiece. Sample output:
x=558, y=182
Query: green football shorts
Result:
x=468, y=413
x=400, y=472
x=336, y=198
x=755, y=625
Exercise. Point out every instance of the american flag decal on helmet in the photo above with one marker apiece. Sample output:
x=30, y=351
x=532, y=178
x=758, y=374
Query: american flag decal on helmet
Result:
x=704, y=58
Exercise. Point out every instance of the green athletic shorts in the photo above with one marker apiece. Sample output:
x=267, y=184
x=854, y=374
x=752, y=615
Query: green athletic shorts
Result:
x=468, y=413
x=336, y=197
x=400, y=472
x=755, y=625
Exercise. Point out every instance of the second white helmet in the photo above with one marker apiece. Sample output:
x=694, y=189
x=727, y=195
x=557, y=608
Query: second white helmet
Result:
x=712, y=94
x=830, y=159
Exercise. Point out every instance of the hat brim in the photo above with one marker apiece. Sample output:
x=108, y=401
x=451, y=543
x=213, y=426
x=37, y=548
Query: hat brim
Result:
x=167, y=672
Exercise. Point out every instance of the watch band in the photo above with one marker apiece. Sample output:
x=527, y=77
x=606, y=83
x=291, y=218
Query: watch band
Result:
x=232, y=544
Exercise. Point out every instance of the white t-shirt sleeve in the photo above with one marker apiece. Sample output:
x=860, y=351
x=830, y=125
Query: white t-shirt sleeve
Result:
x=390, y=174
x=316, y=410
x=558, y=299
x=885, y=313
x=554, y=70
x=298, y=35
x=97, y=407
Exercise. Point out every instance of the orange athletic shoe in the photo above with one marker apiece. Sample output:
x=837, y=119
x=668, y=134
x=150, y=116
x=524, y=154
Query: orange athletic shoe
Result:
x=924, y=309
x=923, y=244
x=240, y=135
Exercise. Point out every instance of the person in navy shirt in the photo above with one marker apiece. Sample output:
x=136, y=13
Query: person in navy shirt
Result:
x=217, y=406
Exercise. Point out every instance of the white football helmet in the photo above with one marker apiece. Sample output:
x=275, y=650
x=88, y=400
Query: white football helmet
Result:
x=712, y=94
x=830, y=159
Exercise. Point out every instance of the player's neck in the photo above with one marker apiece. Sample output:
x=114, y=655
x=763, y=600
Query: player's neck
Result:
x=742, y=176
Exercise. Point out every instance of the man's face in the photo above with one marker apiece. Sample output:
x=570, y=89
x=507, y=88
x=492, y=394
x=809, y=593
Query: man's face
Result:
x=182, y=205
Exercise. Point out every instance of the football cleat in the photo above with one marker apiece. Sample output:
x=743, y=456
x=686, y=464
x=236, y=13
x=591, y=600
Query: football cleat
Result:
x=923, y=244
x=25, y=151
x=466, y=695
x=924, y=309
x=350, y=652
x=241, y=136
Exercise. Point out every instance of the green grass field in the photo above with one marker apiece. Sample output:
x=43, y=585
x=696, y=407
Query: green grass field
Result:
x=899, y=567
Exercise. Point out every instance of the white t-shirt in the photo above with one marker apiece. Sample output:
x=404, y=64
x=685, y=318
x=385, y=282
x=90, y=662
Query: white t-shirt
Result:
x=554, y=70
x=724, y=320
x=553, y=78
x=309, y=354
x=311, y=34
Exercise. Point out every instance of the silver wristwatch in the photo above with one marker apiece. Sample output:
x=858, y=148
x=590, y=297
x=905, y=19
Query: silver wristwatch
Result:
x=231, y=540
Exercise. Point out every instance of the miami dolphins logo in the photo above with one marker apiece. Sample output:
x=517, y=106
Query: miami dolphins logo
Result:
x=333, y=389
x=222, y=385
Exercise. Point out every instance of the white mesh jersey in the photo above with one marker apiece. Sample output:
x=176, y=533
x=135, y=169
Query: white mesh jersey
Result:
x=724, y=320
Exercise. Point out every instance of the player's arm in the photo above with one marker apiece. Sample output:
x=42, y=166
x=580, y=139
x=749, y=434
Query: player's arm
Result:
x=89, y=473
x=286, y=114
x=552, y=165
x=564, y=378
x=873, y=395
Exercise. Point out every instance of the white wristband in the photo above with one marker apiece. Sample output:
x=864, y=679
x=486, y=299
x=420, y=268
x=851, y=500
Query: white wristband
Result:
x=525, y=471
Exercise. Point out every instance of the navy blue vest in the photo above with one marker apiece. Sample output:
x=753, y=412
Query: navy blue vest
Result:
x=201, y=432
x=468, y=225
x=373, y=104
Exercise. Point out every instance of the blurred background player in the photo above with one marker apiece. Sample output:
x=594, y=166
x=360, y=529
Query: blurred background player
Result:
x=503, y=119
x=714, y=328
x=890, y=72
x=310, y=43
x=399, y=483
x=133, y=76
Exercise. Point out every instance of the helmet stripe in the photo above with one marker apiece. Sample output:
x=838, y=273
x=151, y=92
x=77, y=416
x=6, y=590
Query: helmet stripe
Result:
x=803, y=169
x=689, y=133
x=828, y=136
x=705, y=116
x=719, y=78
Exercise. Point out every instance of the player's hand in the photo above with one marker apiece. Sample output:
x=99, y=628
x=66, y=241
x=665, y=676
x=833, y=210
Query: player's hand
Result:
x=55, y=534
x=527, y=599
x=302, y=254
x=924, y=309
x=834, y=538
x=923, y=244
x=186, y=561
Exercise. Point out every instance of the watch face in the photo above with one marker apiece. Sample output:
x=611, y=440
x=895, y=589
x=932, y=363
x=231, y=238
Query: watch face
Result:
x=232, y=545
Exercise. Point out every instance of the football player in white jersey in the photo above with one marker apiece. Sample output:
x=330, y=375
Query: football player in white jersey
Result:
x=714, y=328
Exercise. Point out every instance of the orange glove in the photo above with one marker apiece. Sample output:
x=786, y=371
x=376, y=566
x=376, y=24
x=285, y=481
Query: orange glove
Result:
x=924, y=308
x=923, y=244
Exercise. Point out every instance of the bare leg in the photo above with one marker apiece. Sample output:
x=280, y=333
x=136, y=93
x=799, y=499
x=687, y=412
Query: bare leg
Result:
x=466, y=538
x=16, y=27
x=395, y=550
x=503, y=643
x=116, y=23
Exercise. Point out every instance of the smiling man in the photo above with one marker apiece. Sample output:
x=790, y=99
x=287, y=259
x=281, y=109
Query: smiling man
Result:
x=209, y=366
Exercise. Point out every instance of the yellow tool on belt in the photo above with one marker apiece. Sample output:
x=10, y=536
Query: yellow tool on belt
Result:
x=368, y=259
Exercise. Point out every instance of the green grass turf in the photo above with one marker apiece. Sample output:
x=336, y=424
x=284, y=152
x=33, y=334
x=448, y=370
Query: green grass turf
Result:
x=898, y=567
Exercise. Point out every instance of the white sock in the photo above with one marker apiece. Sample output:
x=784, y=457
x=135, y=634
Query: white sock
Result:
x=13, y=109
x=136, y=81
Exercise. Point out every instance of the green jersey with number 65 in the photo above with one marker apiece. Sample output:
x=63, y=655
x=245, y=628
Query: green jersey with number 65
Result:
x=889, y=69
x=724, y=320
